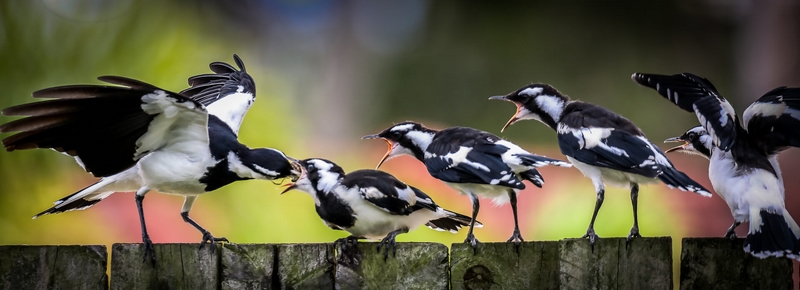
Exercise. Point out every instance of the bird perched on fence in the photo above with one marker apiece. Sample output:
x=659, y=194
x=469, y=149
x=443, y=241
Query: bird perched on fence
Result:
x=473, y=162
x=138, y=137
x=743, y=166
x=606, y=147
x=371, y=204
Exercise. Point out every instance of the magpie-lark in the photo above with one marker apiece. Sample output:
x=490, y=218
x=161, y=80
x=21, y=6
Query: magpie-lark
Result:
x=743, y=166
x=606, y=147
x=473, y=162
x=371, y=204
x=137, y=137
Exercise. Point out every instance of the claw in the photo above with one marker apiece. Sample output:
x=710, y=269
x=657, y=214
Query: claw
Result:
x=148, y=249
x=592, y=237
x=516, y=237
x=347, y=250
x=634, y=233
x=473, y=242
x=208, y=238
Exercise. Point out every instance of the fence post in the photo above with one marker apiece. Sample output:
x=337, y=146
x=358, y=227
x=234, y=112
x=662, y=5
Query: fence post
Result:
x=501, y=266
x=720, y=263
x=248, y=266
x=178, y=266
x=416, y=266
x=53, y=267
x=644, y=263
x=305, y=266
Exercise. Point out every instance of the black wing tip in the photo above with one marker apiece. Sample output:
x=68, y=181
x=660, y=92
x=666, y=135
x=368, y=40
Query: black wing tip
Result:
x=239, y=62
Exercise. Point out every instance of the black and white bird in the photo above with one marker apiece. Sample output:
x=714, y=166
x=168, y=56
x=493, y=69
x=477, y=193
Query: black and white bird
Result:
x=473, y=162
x=371, y=204
x=606, y=147
x=137, y=137
x=743, y=166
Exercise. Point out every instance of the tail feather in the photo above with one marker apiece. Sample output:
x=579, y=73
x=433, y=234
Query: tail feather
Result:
x=676, y=179
x=533, y=176
x=80, y=200
x=539, y=161
x=771, y=236
x=453, y=223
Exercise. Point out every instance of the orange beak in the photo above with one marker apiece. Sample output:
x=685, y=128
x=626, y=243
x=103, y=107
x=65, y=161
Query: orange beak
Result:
x=289, y=187
x=676, y=148
x=388, y=151
x=514, y=118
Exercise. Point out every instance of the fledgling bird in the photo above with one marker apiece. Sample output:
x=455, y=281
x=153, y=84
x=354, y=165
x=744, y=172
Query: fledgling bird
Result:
x=743, y=166
x=606, y=147
x=371, y=204
x=473, y=162
x=138, y=137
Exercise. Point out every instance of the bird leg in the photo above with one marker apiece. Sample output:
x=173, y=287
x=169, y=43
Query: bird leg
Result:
x=389, y=240
x=476, y=206
x=207, y=237
x=516, y=237
x=590, y=231
x=347, y=252
x=731, y=233
x=148, y=244
x=634, y=201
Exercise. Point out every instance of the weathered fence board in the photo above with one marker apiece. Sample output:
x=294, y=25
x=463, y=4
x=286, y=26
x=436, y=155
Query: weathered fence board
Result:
x=501, y=266
x=719, y=263
x=305, y=266
x=178, y=266
x=416, y=266
x=248, y=266
x=53, y=267
x=643, y=263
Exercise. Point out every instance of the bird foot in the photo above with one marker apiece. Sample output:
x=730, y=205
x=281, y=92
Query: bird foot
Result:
x=731, y=234
x=634, y=233
x=347, y=247
x=473, y=242
x=592, y=237
x=386, y=242
x=208, y=238
x=148, y=250
x=516, y=237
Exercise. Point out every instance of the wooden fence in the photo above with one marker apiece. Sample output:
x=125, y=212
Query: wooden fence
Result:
x=645, y=263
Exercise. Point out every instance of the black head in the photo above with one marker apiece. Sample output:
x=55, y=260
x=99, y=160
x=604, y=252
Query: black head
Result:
x=409, y=138
x=696, y=141
x=540, y=102
x=269, y=163
x=317, y=176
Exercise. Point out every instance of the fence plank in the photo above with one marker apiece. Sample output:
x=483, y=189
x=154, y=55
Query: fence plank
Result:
x=178, y=266
x=644, y=263
x=247, y=266
x=416, y=266
x=305, y=266
x=719, y=263
x=53, y=267
x=500, y=266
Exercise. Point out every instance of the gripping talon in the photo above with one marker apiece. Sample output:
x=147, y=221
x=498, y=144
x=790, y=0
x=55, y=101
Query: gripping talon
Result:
x=592, y=237
x=208, y=238
x=149, y=251
x=473, y=242
x=634, y=233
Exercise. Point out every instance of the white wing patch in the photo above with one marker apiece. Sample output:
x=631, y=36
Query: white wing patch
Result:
x=656, y=159
x=460, y=156
x=181, y=125
x=407, y=194
x=232, y=108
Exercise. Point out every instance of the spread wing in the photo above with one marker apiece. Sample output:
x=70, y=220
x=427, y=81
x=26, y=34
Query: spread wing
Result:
x=228, y=93
x=774, y=119
x=106, y=128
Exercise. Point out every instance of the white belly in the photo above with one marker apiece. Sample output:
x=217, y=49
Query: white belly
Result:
x=374, y=223
x=175, y=172
x=757, y=188
x=608, y=176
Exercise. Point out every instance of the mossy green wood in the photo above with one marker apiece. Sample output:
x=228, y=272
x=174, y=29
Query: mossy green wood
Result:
x=501, y=266
x=305, y=266
x=178, y=266
x=415, y=266
x=53, y=267
x=247, y=266
x=643, y=263
x=720, y=263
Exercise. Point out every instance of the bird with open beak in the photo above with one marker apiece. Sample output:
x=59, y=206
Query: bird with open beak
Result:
x=473, y=162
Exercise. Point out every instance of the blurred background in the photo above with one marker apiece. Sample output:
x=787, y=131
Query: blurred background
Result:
x=329, y=72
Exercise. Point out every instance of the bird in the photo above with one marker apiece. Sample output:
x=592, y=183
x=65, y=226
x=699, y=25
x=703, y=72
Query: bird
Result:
x=371, y=204
x=743, y=165
x=473, y=162
x=606, y=147
x=137, y=137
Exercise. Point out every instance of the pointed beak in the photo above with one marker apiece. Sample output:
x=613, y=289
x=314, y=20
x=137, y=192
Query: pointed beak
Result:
x=676, y=148
x=388, y=153
x=289, y=187
x=501, y=98
x=373, y=136
x=514, y=118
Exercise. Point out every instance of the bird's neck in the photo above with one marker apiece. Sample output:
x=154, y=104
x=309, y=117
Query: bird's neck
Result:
x=551, y=108
x=419, y=142
x=236, y=164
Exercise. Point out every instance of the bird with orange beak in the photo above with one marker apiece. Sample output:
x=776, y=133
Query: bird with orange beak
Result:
x=473, y=162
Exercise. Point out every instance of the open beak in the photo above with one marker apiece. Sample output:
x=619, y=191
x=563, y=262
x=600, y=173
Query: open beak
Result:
x=289, y=187
x=676, y=148
x=299, y=172
x=514, y=118
x=388, y=150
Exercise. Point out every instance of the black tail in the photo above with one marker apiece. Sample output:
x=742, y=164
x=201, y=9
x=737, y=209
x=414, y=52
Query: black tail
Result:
x=533, y=176
x=674, y=178
x=79, y=204
x=453, y=223
x=539, y=161
x=773, y=238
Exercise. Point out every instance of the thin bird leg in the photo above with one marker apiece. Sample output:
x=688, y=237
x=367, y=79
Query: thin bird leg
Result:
x=516, y=237
x=476, y=206
x=590, y=231
x=148, y=244
x=731, y=233
x=207, y=237
x=389, y=240
x=634, y=201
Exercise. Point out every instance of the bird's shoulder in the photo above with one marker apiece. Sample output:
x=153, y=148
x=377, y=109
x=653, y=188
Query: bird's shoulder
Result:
x=452, y=139
x=585, y=115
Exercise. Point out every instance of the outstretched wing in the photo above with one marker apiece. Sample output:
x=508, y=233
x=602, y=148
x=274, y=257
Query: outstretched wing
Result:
x=696, y=94
x=774, y=119
x=106, y=128
x=228, y=93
